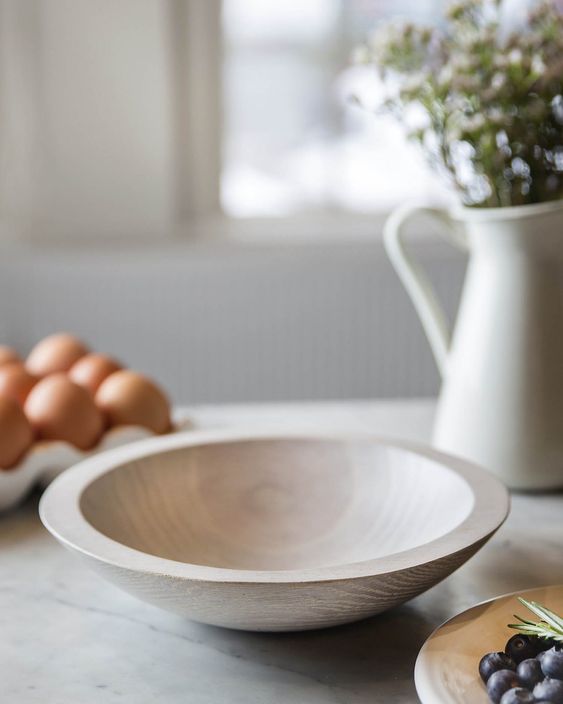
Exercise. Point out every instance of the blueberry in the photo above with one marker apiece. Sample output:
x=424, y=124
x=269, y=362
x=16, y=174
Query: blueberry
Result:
x=549, y=690
x=500, y=682
x=493, y=662
x=552, y=663
x=518, y=695
x=530, y=672
x=546, y=644
x=521, y=647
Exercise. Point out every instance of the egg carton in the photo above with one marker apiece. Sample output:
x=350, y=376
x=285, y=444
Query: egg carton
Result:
x=48, y=458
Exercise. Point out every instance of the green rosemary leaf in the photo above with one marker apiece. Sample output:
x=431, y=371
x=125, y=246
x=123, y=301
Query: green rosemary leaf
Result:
x=543, y=614
x=525, y=629
x=523, y=620
x=550, y=625
x=549, y=615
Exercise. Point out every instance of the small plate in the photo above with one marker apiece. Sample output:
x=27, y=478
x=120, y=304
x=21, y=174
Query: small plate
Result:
x=446, y=667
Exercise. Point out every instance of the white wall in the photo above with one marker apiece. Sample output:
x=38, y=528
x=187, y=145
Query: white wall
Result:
x=86, y=145
x=236, y=323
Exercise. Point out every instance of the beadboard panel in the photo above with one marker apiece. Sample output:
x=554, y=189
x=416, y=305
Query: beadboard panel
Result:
x=237, y=323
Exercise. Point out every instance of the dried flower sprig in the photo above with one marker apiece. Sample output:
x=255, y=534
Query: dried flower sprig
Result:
x=489, y=105
x=550, y=626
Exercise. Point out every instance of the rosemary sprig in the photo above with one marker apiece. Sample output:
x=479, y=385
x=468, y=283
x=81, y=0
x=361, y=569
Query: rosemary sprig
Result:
x=550, y=624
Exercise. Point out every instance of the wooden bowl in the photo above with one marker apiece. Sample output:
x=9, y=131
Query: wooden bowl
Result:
x=272, y=532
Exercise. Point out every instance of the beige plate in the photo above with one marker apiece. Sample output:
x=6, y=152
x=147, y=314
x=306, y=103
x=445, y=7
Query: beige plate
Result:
x=446, y=668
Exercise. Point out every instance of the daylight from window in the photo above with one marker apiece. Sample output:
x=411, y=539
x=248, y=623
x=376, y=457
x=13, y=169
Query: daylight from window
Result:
x=295, y=140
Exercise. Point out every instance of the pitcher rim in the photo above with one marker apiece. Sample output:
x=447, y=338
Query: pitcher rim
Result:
x=477, y=214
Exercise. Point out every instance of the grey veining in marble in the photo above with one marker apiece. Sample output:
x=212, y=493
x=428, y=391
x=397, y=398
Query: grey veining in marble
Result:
x=68, y=637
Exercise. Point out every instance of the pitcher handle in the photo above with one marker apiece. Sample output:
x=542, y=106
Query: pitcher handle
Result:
x=416, y=282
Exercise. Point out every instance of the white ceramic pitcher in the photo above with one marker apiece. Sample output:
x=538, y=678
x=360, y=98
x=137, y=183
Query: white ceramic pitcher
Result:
x=501, y=402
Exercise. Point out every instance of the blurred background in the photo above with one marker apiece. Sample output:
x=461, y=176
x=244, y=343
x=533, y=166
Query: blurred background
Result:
x=190, y=186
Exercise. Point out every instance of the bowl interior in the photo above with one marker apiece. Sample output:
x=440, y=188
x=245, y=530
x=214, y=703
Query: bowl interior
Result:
x=277, y=504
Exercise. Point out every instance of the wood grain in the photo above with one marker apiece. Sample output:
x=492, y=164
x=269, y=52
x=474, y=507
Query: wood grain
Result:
x=272, y=532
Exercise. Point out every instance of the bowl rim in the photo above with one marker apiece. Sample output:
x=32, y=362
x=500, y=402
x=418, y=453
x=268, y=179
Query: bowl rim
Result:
x=60, y=511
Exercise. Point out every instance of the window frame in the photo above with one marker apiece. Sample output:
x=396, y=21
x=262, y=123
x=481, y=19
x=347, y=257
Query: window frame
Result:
x=196, y=66
x=196, y=61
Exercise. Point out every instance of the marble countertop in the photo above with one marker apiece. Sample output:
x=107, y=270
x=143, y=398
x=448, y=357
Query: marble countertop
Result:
x=68, y=637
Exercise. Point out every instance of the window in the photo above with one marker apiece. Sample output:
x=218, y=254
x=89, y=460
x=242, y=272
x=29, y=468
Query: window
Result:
x=144, y=117
x=293, y=139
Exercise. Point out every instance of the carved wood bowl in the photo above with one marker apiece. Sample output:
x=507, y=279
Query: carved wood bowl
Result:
x=273, y=532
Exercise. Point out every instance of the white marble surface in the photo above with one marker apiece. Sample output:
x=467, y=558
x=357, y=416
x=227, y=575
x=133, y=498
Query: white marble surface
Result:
x=68, y=637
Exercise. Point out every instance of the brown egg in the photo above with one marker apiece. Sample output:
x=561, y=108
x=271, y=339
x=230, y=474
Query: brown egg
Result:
x=7, y=355
x=16, y=382
x=16, y=434
x=59, y=409
x=128, y=398
x=91, y=370
x=56, y=353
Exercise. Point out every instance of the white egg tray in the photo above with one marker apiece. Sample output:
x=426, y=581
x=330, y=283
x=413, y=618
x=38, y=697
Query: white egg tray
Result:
x=48, y=458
